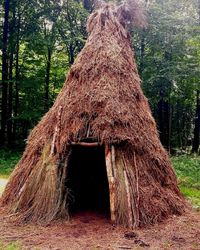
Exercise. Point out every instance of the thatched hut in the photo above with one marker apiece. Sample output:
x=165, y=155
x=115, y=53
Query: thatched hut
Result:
x=98, y=146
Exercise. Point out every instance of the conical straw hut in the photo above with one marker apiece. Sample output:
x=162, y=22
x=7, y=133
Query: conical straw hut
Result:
x=98, y=147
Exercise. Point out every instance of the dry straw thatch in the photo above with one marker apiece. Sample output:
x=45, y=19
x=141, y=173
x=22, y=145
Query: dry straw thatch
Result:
x=102, y=99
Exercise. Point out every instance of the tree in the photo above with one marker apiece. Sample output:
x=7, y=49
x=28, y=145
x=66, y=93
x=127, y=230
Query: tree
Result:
x=162, y=52
x=196, y=139
x=41, y=39
x=4, y=71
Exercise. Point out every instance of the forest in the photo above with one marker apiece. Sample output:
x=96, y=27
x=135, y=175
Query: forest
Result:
x=41, y=39
x=39, y=42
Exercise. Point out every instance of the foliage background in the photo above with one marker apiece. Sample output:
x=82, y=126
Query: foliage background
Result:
x=45, y=36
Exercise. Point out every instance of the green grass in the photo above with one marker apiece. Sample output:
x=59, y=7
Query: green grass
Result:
x=188, y=172
x=10, y=246
x=8, y=160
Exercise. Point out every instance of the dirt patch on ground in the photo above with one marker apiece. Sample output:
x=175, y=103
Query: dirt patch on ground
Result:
x=89, y=231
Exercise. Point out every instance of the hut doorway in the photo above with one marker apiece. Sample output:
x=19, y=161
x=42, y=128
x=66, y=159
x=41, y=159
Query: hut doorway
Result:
x=87, y=180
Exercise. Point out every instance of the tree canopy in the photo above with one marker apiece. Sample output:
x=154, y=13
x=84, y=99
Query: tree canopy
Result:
x=41, y=39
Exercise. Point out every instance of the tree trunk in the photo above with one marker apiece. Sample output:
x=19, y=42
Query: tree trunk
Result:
x=196, y=138
x=4, y=72
x=170, y=109
x=142, y=44
x=178, y=124
x=71, y=54
x=88, y=5
x=142, y=50
x=163, y=121
x=10, y=101
x=47, y=79
x=10, y=87
x=16, y=105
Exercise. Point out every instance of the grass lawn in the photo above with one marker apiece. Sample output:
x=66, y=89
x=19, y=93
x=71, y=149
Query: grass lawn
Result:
x=187, y=169
x=188, y=172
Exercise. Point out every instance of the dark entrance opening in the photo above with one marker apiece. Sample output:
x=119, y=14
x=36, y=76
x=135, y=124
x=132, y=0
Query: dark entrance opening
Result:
x=87, y=180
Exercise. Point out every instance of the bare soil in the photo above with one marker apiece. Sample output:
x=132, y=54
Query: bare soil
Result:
x=93, y=232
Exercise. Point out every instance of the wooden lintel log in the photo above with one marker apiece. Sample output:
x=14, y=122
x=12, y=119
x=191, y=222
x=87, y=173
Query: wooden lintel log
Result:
x=85, y=144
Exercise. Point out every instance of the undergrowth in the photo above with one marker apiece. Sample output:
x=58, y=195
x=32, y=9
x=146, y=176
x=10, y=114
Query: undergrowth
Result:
x=8, y=160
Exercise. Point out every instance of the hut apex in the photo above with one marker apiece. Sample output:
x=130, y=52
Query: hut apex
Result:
x=97, y=149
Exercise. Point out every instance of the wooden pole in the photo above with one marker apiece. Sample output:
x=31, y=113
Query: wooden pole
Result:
x=136, y=222
x=132, y=190
x=55, y=144
x=130, y=219
x=111, y=182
